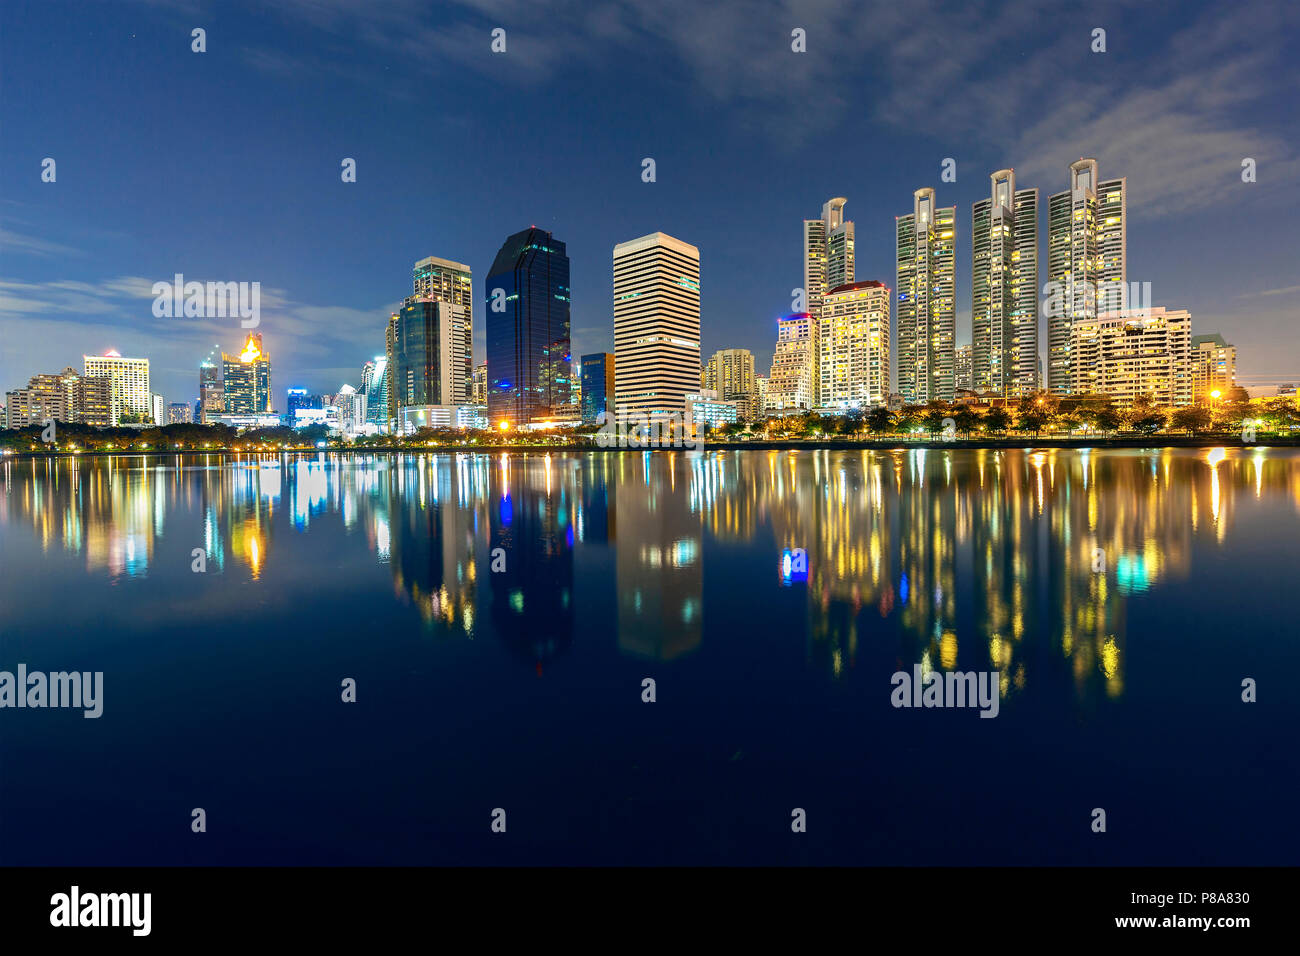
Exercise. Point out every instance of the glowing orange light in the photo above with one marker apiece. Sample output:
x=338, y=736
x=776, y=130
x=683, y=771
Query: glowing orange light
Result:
x=504, y=426
x=251, y=352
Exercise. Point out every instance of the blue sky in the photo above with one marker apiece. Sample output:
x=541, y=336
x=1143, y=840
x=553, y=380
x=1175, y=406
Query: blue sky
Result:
x=225, y=165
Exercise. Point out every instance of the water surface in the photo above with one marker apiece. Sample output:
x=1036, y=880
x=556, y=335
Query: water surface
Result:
x=1122, y=596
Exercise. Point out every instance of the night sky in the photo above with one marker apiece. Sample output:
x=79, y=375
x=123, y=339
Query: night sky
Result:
x=225, y=165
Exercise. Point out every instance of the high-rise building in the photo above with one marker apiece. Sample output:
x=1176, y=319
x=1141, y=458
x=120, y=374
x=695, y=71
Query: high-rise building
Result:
x=597, y=386
x=528, y=359
x=246, y=379
x=1214, y=367
x=656, y=325
x=1133, y=353
x=299, y=399
x=1086, y=262
x=390, y=351
x=478, y=390
x=1004, y=289
x=854, y=346
x=444, y=281
x=730, y=374
x=963, y=375
x=432, y=354
x=212, y=399
x=793, y=380
x=158, y=406
x=374, y=379
x=130, y=385
x=62, y=397
x=760, y=391
x=180, y=413
x=926, y=296
x=827, y=253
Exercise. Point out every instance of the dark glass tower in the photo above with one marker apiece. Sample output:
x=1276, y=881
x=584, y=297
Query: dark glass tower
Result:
x=528, y=373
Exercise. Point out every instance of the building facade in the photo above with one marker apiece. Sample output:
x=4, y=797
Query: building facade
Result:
x=1133, y=353
x=854, y=346
x=246, y=379
x=828, y=257
x=1214, y=368
x=792, y=384
x=62, y=397
x=1087, y=267
x=130, y=401
x=432, y=355
x=656, y=325
x=730, y=375
x=926, y=294
x=212, y=399
x=528, y=301
x=598, y=393
x=1004, y=289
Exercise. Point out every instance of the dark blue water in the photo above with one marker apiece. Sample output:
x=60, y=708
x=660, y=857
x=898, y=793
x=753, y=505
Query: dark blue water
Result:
x=521, y=689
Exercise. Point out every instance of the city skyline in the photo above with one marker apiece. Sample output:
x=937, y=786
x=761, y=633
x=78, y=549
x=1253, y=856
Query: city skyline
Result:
x=70, y=279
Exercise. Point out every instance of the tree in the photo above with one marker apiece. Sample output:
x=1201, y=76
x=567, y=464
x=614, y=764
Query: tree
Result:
x=1193, y=419
x=965, y=419
x=996, y=420
x=935, y=416
x=1106, y=419
x=880, y=420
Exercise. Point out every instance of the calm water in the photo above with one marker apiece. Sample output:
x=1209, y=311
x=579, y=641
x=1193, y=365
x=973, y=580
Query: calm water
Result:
x=521, y=689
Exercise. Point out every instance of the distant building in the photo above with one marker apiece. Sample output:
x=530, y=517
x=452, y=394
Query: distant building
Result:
x=1004, y=290
x=854, y=346
x=706, y=409
x=1133, y=353
x=415, y=417
x=1087, y=259
x=158, y=409
x=730, y=375
x=433, y=353
x=374, y=387
x=246, y=379
x=656, y=325
x=760, y=392
x=298, y=399
x=925, y=300
x=1214, y=367
x=793, y=381
x=212, y=400
x=828, y=257
x=351, y=406
x=963, y=369
x=130, y=400
x=62, y=397
x=180, y=413
x=478, y=390
x=598, y=370
x=528, y=354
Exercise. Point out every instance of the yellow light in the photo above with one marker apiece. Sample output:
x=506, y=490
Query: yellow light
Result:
x=504, y=426
x=1215, y=394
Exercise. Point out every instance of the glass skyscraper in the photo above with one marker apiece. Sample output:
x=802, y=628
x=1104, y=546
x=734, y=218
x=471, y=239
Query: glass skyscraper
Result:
x=527, y=298
x=597, y=386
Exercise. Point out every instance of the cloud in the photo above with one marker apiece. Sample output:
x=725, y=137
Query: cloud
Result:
x=17, y=243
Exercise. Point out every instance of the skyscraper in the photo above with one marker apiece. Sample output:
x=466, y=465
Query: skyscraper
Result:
x=827, y=253
x=793, y=380
x=1004, y=289
x=730, y=373
x=212, y=400
x=130, y=385
x=926, y=283
x=656, y=325
x=246, y=379
x=390, y=350
x=478, y=388
x=963, y=369
x=432, y=353
x=445, y=281
x=527, y=296
x=1086, y=261
x=62, y=397
x=597, y=386
x=854, y=346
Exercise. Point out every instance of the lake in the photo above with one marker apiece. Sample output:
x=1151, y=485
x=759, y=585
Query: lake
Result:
x=499, y=616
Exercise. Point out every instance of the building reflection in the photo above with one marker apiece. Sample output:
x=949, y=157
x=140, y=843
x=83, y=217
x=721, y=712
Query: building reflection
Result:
x=1021, y=561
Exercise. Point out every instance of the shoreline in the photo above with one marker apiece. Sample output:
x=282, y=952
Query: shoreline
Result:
x=819, y=444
